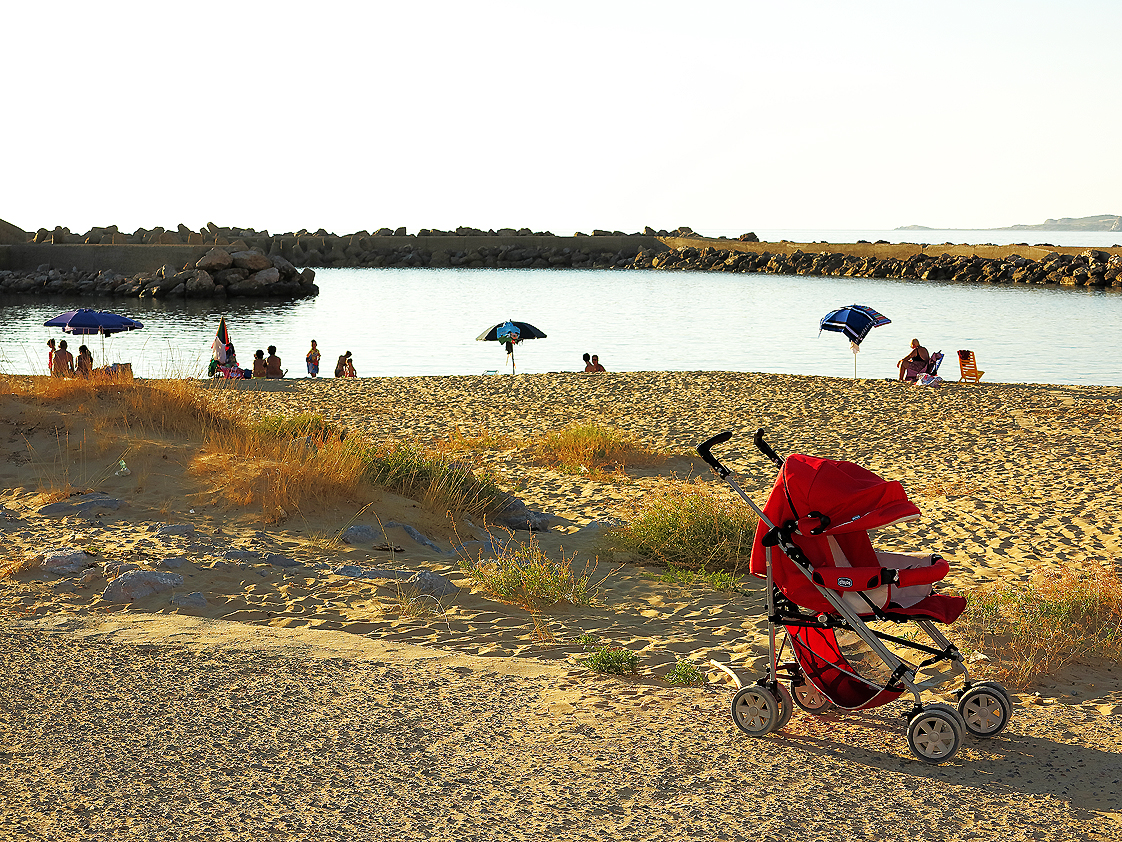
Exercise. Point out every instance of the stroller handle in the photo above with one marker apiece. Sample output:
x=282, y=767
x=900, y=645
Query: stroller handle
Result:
x=705, y=447
x=765, y=448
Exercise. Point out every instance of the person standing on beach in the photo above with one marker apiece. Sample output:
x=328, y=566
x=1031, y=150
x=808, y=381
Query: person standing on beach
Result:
x=312, y=359
x=51, y=356
x=273, y=364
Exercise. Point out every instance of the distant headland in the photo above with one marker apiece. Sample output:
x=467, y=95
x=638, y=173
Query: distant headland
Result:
x=1102, y=222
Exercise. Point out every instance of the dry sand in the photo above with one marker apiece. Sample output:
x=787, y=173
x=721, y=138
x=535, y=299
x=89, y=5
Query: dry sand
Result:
x=301, y=704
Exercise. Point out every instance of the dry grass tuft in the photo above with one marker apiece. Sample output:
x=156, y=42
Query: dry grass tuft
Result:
x=18, y=561
x=592, y=449
x=688, y=526
x=949, y=488
x=484, y=442
x=281, y=464
x=1059, y=617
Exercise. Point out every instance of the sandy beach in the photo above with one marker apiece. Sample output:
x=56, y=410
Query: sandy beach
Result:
x=305, y=702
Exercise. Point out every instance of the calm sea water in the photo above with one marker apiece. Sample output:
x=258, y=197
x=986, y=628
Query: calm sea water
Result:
x=400, y=322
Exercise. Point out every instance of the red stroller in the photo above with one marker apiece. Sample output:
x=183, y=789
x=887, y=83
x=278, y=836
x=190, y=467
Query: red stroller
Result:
x=825, y=583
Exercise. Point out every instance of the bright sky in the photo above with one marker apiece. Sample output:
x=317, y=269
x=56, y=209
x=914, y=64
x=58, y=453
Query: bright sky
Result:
x=560, y=116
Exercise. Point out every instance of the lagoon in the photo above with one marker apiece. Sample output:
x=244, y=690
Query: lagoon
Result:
x=406, y=322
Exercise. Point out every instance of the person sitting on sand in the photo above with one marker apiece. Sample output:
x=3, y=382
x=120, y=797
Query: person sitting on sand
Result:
x=63, y=363
x=259, y=363
x=51, y=355
x=312, y=359
x=350, y=372
x=915, y=362
x=84, y=366
x=596, y=364
x=341, y=364
x=273, y=364
x=588, y=363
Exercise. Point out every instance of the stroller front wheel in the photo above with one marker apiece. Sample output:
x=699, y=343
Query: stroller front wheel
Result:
x=755, y=710
x=935, y=734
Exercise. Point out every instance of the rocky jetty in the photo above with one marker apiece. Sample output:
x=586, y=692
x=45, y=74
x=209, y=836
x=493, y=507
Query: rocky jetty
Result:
x=1092, y=267
x=236, y=270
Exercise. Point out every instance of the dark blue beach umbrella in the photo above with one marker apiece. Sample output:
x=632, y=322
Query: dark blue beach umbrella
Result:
x=855, y=321
x=87, y=322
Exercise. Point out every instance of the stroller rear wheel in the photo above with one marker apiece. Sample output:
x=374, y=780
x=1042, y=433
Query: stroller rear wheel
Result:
x=935, y=733
x=985, y=710
x=755, y=710
x=786, y=706
x=809, y=698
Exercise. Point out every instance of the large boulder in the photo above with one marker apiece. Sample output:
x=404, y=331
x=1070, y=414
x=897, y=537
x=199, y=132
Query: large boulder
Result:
x=201, y=285
x=215, y=260
x=252, y=261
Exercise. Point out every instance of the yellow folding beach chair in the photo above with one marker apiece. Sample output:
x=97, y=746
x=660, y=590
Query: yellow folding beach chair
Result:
x=969, y=367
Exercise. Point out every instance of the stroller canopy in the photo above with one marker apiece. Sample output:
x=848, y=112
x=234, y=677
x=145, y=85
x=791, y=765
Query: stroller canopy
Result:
x=852, y=498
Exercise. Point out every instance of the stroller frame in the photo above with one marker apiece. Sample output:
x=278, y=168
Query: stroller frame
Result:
x=935, y=731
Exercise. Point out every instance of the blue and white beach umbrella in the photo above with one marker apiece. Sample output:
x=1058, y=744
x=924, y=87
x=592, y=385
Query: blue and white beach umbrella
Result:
x=855, y=321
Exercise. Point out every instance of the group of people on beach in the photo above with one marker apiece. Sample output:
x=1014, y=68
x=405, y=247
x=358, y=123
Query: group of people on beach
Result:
x=592, y=364
x=61, y=363
x=271, y=368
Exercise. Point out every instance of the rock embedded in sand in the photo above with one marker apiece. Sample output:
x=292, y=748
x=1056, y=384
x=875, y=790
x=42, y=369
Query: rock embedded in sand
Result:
x=434, y=584
x=81, y=504
x=279, y=560
x=415, y=534
x=65, y=560
x=171, y=529
x=137, y=584
x=360, y=533
x=517, y=515
x=191, y=600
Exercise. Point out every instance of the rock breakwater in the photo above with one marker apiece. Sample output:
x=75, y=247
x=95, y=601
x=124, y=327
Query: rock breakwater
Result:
x=1091, y=267
x=237, y=270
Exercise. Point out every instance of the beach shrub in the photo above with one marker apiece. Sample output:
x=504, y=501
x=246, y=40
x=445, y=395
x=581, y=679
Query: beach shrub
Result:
x=1032, y=629
x=688, y=526
x=433, y=479
x=685, y=674
x=521, y=574
x=717, y=580
x=614, y=660
x=591, y=448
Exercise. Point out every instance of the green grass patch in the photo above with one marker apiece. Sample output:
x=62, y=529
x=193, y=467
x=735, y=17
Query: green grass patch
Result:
x=523, y=575
x=1029, y=630
x=434, y=479
x=614, y=660
x=689, y=527
x=717, y=580
x=685, y=674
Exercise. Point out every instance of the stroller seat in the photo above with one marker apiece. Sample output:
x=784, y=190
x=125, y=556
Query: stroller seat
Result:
x=936, y=606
